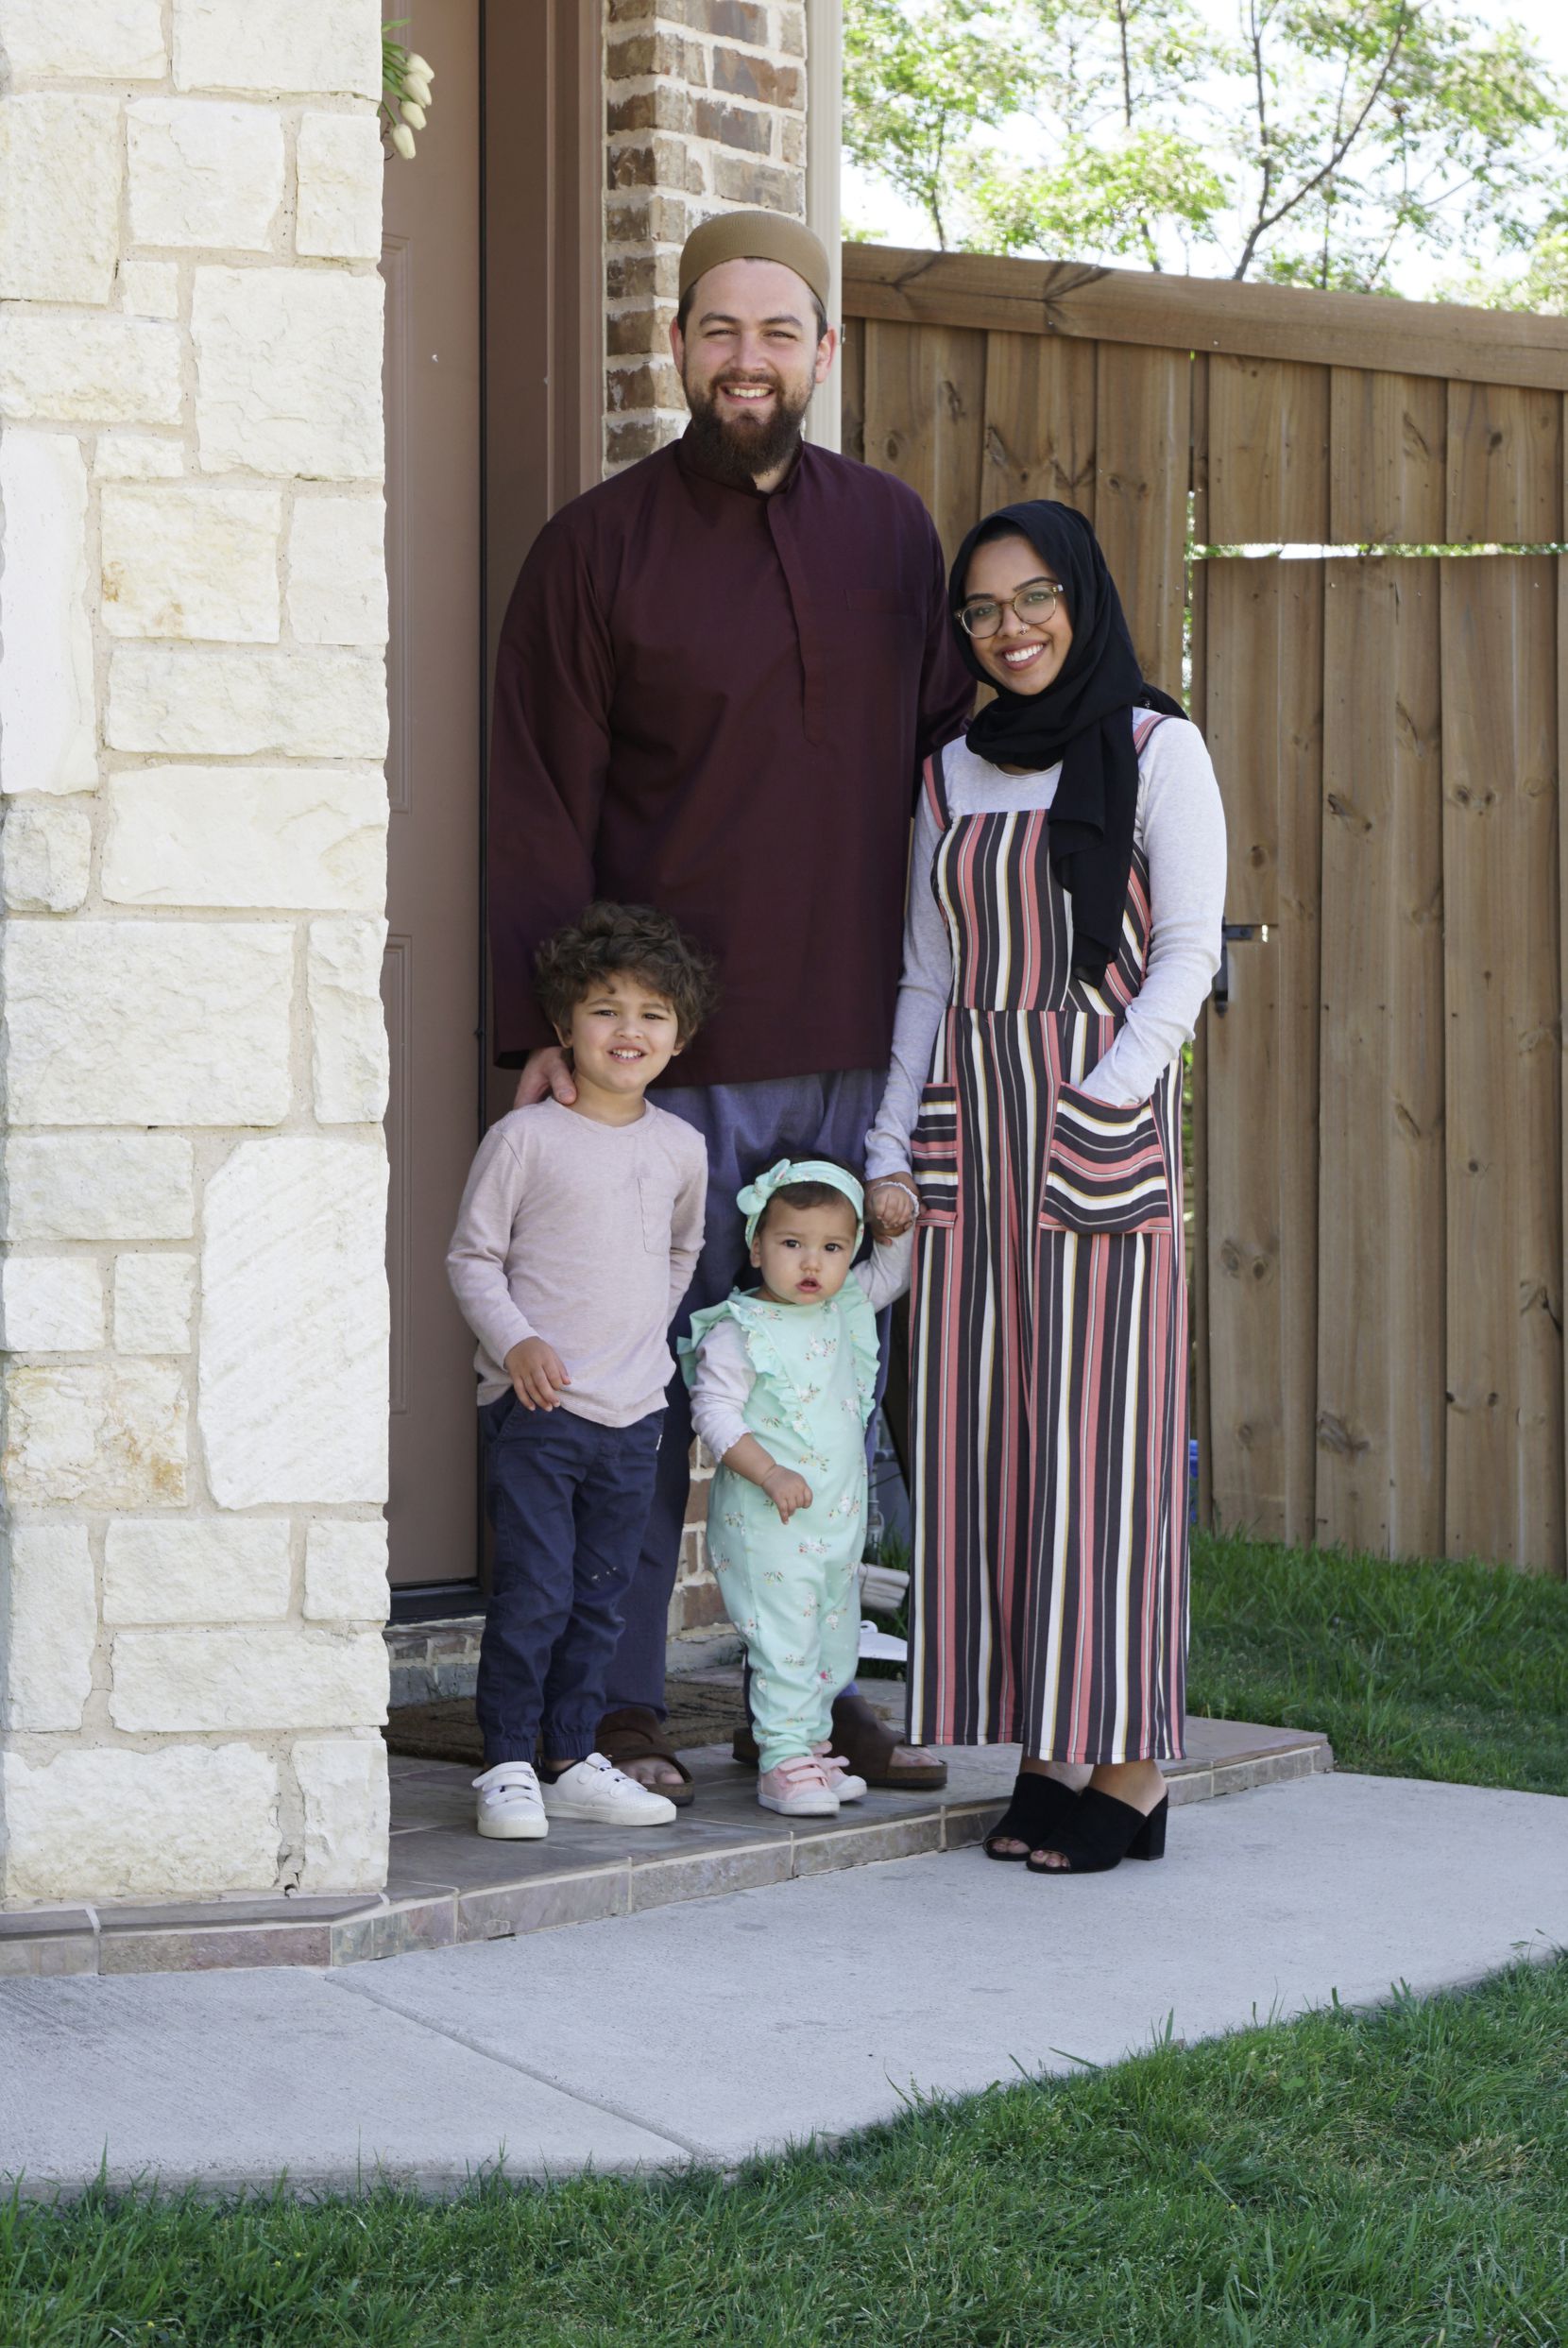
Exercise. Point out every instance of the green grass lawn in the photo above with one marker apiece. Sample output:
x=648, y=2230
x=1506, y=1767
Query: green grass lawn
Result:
x=1455, y=1672
x=1398, y=2178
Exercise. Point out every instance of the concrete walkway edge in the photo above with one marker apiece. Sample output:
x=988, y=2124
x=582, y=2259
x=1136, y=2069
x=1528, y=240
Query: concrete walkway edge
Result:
x=943, y=1975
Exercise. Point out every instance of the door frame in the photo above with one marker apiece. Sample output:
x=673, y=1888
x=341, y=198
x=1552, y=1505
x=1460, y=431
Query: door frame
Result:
x=567, y=343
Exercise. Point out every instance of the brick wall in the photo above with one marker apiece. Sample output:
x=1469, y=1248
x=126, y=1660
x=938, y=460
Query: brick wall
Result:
x=706, y=111
x=695, y=1604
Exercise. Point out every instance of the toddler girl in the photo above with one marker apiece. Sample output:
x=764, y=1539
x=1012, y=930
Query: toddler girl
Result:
x=783, y=1379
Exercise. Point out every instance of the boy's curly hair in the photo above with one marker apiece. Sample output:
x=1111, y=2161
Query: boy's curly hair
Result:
x=607, y=941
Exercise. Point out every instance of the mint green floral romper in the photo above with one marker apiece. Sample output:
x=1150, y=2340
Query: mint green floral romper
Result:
x=791, y=1590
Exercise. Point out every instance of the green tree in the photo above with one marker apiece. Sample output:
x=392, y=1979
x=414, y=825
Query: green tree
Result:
x=1541, y=283
x=1377, y=121
x=1318, y=143
x=920, y=77
x=1116, y=170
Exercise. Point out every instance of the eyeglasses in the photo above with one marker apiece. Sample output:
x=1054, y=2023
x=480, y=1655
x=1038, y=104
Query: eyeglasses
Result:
x=1033, y=605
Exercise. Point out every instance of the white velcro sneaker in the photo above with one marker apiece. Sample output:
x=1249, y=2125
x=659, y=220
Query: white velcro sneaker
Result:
x=509, y=1806
x=595, y=1794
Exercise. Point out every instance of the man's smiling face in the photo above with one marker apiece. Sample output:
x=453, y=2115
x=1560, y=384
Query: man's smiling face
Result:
x=750, y=358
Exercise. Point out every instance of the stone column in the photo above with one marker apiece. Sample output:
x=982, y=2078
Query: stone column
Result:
x=192, y=703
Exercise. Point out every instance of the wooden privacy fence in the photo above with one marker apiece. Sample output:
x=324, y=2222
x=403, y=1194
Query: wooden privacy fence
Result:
x=1378, y=1117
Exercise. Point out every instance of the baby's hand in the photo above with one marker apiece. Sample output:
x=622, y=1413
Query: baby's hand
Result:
x=787, y=1491
x=537, y=1372
x=890, y=1208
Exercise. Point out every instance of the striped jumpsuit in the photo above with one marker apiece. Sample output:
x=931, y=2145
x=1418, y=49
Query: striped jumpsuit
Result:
x=1047, y=1344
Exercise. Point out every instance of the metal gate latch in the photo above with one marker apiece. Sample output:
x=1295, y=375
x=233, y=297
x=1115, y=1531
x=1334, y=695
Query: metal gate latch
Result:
x=1238, y=933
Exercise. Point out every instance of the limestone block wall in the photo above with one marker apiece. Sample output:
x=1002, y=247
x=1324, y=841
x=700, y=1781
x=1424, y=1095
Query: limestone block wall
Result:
x=706, y=111
x=192, y=716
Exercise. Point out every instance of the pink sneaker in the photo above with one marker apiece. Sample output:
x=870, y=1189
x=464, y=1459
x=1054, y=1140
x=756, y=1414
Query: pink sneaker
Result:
x=798, y=1787
x=837, y=1772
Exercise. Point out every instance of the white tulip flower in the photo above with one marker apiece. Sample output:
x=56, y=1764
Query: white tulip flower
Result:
x=402, y=141
x=415, y=63
x=417, y=89
x=412, y=113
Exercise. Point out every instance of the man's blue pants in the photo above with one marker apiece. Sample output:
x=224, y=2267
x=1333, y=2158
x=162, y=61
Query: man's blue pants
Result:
x=747, y=1127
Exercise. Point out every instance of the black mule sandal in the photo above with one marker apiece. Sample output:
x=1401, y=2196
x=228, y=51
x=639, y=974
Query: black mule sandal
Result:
x=1100, y=1833
x=1042, y=1809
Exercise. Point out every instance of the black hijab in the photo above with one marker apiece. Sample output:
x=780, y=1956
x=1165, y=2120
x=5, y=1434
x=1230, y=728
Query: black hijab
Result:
x=1084, y=717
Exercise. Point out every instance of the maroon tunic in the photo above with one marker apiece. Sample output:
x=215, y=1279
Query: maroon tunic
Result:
x=718, y=703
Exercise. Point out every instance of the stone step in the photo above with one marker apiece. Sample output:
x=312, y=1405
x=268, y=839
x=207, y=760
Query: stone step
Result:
x=445, y=1885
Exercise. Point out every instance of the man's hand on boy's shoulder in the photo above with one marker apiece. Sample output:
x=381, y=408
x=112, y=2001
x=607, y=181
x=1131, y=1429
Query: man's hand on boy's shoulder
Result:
x=538, y=1374
x=543, y=1072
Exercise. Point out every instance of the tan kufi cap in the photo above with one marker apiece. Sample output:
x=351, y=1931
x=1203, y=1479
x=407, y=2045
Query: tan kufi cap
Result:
x=755, y=236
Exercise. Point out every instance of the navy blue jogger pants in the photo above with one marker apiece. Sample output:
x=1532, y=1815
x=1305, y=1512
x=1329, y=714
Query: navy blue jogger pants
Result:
x=568, y=1500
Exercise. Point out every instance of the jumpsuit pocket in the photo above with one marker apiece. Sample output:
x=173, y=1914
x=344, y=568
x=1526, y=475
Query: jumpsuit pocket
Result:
x=1105, y=1169
x=933, y=1154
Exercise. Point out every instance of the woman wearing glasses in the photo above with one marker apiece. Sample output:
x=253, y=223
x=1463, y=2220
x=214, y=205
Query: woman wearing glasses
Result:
x=1063, y=930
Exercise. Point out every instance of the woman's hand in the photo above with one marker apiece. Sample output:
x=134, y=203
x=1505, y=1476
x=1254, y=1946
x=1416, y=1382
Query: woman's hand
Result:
x=891, y=1206
x=787, y=1491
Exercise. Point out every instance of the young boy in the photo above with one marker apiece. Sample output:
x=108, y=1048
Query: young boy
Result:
x=575, y=1241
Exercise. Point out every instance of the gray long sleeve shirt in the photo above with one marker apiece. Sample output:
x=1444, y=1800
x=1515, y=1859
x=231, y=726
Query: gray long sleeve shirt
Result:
x=1180, y=830
x=585, y=1235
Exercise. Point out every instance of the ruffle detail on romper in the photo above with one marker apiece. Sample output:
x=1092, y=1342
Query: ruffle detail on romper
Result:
x=863, y=1337
x=751, y=1317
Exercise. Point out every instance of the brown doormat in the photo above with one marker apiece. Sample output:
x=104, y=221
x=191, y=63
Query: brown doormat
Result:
x=448, y=1731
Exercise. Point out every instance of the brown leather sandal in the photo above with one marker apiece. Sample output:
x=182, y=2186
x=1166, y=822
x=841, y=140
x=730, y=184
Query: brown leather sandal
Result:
x=867, y=1744
x=633, y=1733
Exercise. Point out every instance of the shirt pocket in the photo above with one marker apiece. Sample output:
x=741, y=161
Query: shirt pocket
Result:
x=934, y=1153
x=1105, y=1169
x=656, y=1194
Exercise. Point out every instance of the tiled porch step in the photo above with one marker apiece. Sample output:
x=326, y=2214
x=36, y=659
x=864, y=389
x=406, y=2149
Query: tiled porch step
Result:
x=447, y=1885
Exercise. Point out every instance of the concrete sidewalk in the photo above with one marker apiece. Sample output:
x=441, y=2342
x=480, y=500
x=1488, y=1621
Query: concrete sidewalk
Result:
x=446, y=1886
x=927, y=1974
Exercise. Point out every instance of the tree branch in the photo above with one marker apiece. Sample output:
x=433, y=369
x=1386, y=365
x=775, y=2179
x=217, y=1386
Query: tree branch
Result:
x=935, y=198
x=1268, y=220
x=1126, y=64
x=1151, y=249
x=1382, y=260
x=1264, y=136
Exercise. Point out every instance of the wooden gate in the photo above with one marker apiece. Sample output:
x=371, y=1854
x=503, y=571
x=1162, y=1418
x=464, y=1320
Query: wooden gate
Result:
x=1378, y=1117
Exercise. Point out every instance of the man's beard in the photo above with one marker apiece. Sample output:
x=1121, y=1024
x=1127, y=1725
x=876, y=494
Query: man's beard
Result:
x=743, y=453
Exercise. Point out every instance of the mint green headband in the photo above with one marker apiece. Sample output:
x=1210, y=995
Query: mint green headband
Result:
x=753, y=1200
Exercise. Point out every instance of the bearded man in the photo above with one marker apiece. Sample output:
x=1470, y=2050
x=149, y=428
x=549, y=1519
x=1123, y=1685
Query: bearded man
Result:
x=718, y=678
